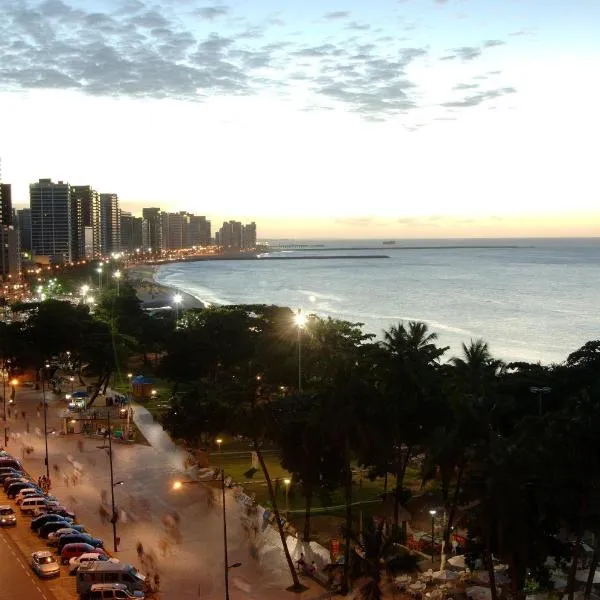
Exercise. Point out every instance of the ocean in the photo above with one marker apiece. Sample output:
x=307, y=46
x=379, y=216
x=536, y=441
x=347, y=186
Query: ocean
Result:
x=529, y=299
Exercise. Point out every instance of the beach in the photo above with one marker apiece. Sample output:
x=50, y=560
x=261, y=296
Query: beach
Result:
x=157, y=295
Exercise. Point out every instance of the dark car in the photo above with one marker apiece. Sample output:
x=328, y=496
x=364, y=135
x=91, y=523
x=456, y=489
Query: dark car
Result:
x=16, y=487
x=9, y=472
x=79, y=538
x=47, y=528
x=10, y=480
x=9, y=461
x=53, y=509
x=43, y=519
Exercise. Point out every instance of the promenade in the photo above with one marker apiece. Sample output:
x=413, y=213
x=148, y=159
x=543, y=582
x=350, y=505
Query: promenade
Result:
x=190, y=564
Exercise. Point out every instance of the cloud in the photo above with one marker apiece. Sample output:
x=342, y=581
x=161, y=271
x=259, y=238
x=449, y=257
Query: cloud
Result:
x=493, y=43
x=210, y=13
x=467, y=52
x=357, y=221
x=465, y=86
x=337, y=14
x=476, y=99
x=147, y=50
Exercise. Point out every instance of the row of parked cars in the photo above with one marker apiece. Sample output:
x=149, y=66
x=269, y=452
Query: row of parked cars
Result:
x=98, y=576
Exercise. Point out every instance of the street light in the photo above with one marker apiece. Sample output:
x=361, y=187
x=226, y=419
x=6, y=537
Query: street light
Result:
x=177, y=298
x=225, y=557
x=113, y=519
x=71, y=379
x=46, y=366
x=432, y=513
x=4, y=399
x=99, y=271
x=541, y=391
x=287, y=482
x=300, y=320
x=117, y=276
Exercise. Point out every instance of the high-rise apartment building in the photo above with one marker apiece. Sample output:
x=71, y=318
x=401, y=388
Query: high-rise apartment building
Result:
x=24, y=227
x=152, y=231
x=175, y=230
x=235, y=236
x=86, y=221
x=51, y=235
x=249, y=235
x=200, y=234
x=6, y=204
x=131, y=232
x=110, y=224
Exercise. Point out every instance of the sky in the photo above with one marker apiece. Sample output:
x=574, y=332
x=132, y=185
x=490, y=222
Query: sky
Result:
x=320, y=118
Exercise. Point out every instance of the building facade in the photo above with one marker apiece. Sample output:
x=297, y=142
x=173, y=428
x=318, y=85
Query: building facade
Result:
x=86, y=216
x=6, y=210
x=200, y=233
x=110, y=224
x=51, y=235
x=131, y=232
x=24, y=227
x=152, y=229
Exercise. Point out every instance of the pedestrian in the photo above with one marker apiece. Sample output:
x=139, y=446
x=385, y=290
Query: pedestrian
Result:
x=140, y=550
x=23, y=414
x=27, y=426
x=301, y=562
x=156, y=581
x=454, y=546
x=37, y=412
x=66, y=478
x=80, y=445
x=40, y=481
x=16, y=415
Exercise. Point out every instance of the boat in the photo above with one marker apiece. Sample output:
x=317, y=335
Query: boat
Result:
x=389, y=242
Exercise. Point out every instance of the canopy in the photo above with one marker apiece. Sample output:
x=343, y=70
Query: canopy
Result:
x=141, y=380
x=80, y=395
x=582, y=575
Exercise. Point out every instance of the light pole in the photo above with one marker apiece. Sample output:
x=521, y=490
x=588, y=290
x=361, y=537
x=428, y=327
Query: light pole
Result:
x=113, y=519
x=117, y=276
x=300, y=320
x=46, y=366
x=287, y=482
x=541, y=391
x=432, y=513
x=84, y=290
x=99, y=270
x=4, y=398
x=177, y=298
x=13, y=392
x=225, y=557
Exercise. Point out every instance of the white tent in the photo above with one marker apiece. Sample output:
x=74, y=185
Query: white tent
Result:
x=582, y=575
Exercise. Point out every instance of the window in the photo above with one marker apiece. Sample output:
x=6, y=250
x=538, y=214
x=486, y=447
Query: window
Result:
x=120, y=594
x=108, y=594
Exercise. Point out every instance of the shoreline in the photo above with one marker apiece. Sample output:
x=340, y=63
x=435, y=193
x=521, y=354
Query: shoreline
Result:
x=153, y=294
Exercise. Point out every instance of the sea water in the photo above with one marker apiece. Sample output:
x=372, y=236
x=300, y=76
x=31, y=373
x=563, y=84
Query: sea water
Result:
x=530, y=299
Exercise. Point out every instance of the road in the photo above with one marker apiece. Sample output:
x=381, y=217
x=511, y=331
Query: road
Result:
x=190, y=568
x=18, y=580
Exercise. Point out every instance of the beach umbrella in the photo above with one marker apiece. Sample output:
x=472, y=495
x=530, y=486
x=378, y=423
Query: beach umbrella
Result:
x=458, y=562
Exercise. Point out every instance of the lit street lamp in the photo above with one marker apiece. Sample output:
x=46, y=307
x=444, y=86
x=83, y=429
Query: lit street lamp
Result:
x=71, y=379
x=46, y=366
x=432, y=513
x=287, y=482
x=226, y=566
x=541, y=391
x=300, y=320
x=99, y=271
x=117, y=276
x=177, y=298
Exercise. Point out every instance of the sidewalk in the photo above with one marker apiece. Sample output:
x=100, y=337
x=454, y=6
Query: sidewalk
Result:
x=191, y=569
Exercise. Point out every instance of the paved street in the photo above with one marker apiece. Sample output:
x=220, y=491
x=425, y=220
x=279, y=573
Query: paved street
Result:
x=18, y=582
x=192, y=566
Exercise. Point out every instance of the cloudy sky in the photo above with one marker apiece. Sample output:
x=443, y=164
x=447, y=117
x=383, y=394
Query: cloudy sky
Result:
x=338, y=118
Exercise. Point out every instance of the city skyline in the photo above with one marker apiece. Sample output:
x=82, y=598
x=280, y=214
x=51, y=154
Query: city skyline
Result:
x=418, y=118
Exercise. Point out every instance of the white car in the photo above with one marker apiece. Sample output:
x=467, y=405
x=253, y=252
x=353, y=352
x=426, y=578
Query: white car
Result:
x=44, y=564
x=86, y=558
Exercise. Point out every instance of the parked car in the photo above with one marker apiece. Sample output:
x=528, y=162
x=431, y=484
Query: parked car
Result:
x=48, y=528
x=52, y=509
x=70, y=551
x=54, y=538
x=15, y=488
x=76, y=538
x=45, y=564
x=14, y=479
x=28, y=492
x=9, y=461
x=117, y=591
x=7, y=516
x=31, y=504
x=39, y=521
x=105, y=572
x=6, y=472
x=86, y=558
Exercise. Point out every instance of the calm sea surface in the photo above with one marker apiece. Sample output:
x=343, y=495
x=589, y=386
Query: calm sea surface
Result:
x=530, y=299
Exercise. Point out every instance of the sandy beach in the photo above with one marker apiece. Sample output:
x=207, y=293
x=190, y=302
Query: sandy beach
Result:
x=156, y=295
